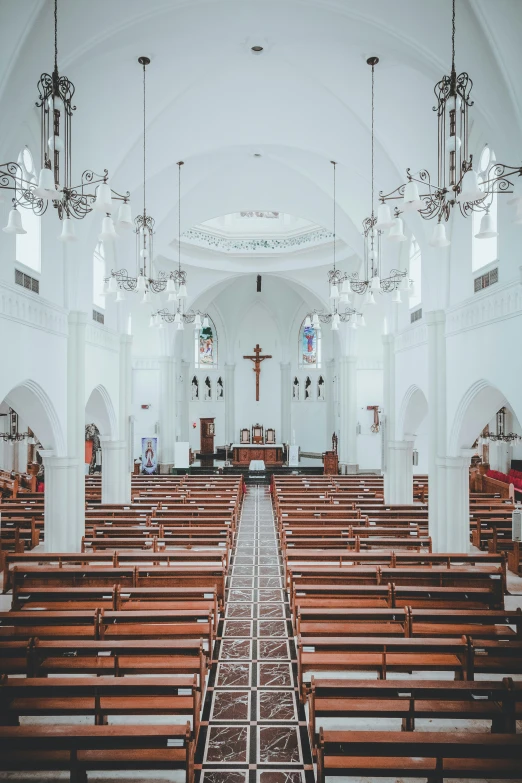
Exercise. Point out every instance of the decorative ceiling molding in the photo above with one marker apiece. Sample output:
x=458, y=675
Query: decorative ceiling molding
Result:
x=196, y=236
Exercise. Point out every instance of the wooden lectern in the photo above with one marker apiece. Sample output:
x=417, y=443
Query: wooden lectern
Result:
x=207, y=433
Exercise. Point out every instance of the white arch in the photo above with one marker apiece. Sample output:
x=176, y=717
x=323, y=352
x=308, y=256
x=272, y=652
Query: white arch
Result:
x=413, y=411
x=100, y=411
x=476, y=408
x=32, y=403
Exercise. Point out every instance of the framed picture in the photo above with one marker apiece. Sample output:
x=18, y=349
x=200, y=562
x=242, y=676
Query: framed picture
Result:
x=149, y=455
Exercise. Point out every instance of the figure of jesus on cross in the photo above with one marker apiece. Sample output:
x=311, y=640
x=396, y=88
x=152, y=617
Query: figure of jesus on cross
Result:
x=257, y=359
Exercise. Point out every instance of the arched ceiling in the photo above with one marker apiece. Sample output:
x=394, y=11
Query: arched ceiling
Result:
x=304, y=101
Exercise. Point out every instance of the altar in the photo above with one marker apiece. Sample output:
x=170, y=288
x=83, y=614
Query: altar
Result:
x=269, y=453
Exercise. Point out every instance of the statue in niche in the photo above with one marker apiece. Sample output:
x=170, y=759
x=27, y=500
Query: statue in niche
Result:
x=308, y=384
x=92, y=434
x=320, y=388
x=220, y=390
x=208, y=389
x=195, y=388
x=295, y=389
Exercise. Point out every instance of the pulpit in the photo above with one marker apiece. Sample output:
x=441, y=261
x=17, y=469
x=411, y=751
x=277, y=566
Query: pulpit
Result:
x=331, y=463
x=207, y=433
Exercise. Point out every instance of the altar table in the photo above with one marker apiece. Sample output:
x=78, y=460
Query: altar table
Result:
x=269, y=453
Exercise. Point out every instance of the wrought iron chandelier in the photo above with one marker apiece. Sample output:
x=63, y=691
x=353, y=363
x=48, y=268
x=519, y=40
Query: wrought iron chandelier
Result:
x=13, y=436
x=339, y=288
x=373, y=282
x=55, y=182
x=457, y=183
x=145, y=282
x=501, y=434
x=179, y=276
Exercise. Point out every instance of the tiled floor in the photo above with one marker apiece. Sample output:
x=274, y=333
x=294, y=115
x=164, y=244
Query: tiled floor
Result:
x=253, y=727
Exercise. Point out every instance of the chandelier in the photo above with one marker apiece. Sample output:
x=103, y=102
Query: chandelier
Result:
x=179, y=276
x=144, y=282
x=339, y=288
x=457, y=183
x=55, y=179
x=13, y=436
x=501, y=434
x=372, y=230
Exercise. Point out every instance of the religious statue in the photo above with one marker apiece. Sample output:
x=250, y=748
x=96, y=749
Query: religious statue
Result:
x=195, y=388
x=295, y=389
x=208, y=389
x=320, y=388
x=257, y=359
x=308, y=383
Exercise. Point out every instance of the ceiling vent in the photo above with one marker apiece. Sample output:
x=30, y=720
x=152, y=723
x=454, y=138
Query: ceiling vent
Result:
x=484, y=281
x=27, y=282
x=416, y=315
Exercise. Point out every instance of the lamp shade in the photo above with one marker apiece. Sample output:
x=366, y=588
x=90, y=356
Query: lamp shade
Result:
x=171, y=286
x=397, y=231
x=516, y=198
x=375, y=284
x=334, y=292
x=335, y=323
x=151, y=322
x=308, y=322
x=315, y=321
x=197, y=321
x=369, y=298
x=68, y=233
x=177, y=318
x=181, y=326
x=141, y=285
x=206, y=323
x=113, y=285
x=344, y=299
x=14, y=223
x=411, y=199
x=346, y=288
x=439, y=238
x=384, y=217
x=120, y=296
x=182, y=293
x=353, y=323
x=396, y=298
x=124, y=219
x=108, y=232
x=147, y=298
x=471, y=190
x=103, y=201
x=488, y=228
x=46, y=187
x=362, y=320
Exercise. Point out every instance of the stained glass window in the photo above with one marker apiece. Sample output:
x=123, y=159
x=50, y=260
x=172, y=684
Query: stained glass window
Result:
x=205, y=347
x=309, y=346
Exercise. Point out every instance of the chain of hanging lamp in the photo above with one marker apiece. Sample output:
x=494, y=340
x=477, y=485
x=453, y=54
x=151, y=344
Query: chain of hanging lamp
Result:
x=55, y=184
x=458, y=184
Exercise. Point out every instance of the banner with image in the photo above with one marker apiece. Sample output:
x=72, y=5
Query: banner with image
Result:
x=149, y=455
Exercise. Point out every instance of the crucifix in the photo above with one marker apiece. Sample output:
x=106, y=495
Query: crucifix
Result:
x=257, y=359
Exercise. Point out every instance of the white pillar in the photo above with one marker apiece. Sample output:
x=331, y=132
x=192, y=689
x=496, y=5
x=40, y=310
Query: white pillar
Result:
x=230, y=407
x=286, y=404
x=167, y=412
x=330, y=402
x=454, y=477
x=114, y=471
x=125, y=430
x=437, y=428
x=388, y=430
x=348, y=412
x=400, y=471
x=60, y=529
x=184, y=422
x=75, y=518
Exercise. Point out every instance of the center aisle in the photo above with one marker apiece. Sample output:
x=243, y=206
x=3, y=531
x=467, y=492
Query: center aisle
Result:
x=254, y=729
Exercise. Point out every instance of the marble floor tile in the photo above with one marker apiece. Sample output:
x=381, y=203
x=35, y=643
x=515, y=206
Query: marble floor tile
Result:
x=278, y=745
x=227, y=745
x=276, y=705
x=239, y=610
x=242, y=570
x=274, y=582
x=241, y=582
x=238, y=628
x=269, y=570
x=245, y=596
x=273, y=648
x=277, y=628
x=233, y=674
x=279, y=776
x=236, y=648
x=271, y=611
x=230, y=706
x=225, y=776
x=274, y=675
x=270, y=596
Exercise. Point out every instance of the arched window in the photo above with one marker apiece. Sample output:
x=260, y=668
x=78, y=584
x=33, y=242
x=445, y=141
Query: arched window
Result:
x=415, y=272
x=205, y=346
x=484, y=251
x=309, y=347
x=28, y=246
x=98, y=275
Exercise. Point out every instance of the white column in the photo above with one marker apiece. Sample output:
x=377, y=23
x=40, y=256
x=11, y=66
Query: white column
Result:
x=184, y=422
x=388, y=431
x=286, y=404
x=60, y=529
x=437, y=428
x=330, y=402
x=454, y=476
x=348, y=412
x=115, y=476
x=400, y=471
x=167, y=412
x=125, y=430
x=75, y=518
x=230, y=407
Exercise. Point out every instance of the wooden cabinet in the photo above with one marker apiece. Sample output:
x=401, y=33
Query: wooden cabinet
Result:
x=207, y=433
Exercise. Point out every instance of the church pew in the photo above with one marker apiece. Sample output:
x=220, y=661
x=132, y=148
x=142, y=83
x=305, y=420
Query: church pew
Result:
x=436, y=755
x=99, y=698
x=171, y=547
x=410, y=700
x=515, y=559
x=78, y=749
x=116, y=598
x=337, y=555
x=382, y=655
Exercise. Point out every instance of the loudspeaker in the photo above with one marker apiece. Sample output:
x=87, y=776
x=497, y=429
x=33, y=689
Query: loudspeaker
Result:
x=259, y=284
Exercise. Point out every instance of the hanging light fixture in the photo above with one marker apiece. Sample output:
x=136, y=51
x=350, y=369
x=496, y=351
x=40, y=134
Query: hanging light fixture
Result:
x=339, y=285
x=457, y=182
x=12, y=435
x=373, y=228
x=501, y=434
x=145, y=282
x=55, y=182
